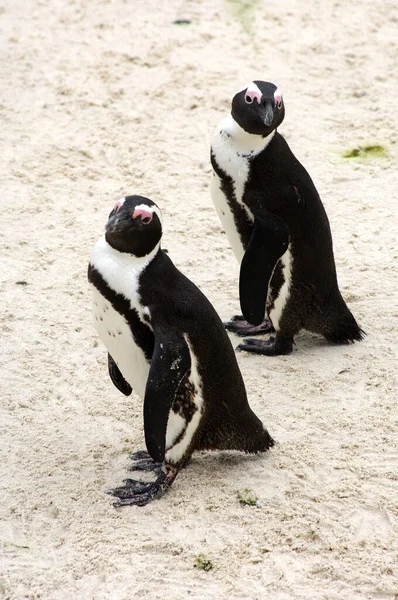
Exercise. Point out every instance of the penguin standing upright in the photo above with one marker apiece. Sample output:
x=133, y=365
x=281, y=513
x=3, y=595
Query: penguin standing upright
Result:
x=166, y=341
x=277, y=227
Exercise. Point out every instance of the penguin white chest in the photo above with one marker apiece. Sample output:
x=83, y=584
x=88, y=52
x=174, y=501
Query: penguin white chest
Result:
x=235, y=164
x=116, y=335
x=233, y=149
x=226, y=216
x=121, y=273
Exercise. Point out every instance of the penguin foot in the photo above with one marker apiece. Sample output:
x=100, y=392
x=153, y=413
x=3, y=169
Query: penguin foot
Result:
x=142, y=461
x=274, y=346
x=145, y=464
x=138, y=454
x=139, y=493
x=241, y=327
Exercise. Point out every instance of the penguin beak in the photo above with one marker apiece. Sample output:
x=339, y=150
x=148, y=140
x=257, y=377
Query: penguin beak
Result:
x=111, y=224
x=268, y=114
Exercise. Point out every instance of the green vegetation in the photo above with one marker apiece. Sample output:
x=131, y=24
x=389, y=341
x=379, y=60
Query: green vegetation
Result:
x=182, y=22
x=203, y=562
x=244, y=12
x=373, y=150
x=247, y=496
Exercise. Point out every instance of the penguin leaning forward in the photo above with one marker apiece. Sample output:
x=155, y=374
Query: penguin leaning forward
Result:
x=166, y=341
x=277, y=227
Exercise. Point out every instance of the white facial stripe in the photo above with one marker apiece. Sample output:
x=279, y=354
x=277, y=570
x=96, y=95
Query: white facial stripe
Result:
x=118, y=203
x=243, y=88
x=151, y=209
x=252, y=87
x=278, y=97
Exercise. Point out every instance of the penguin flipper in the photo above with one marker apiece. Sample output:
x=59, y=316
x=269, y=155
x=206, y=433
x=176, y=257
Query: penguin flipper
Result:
x=268, y=242
x=171, y=360
x=117, y=378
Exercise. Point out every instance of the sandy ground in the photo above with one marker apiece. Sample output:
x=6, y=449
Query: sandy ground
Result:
x=103, y=99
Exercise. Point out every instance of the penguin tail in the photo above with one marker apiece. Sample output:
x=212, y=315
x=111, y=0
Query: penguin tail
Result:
x=345, y=333
x=246, y=434
x=255, y=440
x=342, y=327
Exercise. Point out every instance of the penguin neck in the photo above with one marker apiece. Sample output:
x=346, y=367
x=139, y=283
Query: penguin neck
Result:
x=106, y=257
x=246, y=143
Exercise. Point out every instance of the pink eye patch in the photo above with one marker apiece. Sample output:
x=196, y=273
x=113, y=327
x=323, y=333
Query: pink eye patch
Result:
x=146, y=216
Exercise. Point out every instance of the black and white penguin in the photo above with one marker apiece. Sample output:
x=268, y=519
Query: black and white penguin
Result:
x=166, y=341
x=277, y=227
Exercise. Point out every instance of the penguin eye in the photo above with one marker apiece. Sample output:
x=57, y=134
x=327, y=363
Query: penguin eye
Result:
x=145, y=216
x=278, y=99
x=248, y=99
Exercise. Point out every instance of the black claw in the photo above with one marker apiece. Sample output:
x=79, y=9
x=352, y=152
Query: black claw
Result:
x=241, y=327
x=130, y=489
x=136, y=484
x=274, y=346
x=142, y=461
x=140, y=493
x=140, y=454
x=145, y=465
x=137, y=500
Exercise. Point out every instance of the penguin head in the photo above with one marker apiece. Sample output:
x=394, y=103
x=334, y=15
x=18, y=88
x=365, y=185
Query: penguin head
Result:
x=134, y=226
x=258, y=108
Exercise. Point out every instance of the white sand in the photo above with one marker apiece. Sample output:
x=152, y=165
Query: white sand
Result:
x=101, y=99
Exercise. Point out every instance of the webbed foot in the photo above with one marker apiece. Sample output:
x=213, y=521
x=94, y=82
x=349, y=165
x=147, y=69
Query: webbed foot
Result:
x=142, y=461
x=139, y=493
x=274, y=346
x=241, y=327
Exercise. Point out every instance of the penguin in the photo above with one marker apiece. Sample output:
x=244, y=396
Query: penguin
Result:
x=166, y=342
x=278, y=229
